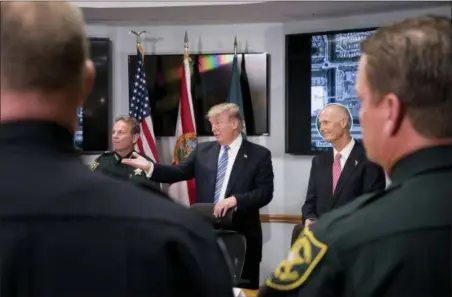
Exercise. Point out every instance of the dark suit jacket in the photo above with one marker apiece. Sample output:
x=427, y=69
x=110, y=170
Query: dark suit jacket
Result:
x=358, y=177
x=251, y=182
x=68, y=232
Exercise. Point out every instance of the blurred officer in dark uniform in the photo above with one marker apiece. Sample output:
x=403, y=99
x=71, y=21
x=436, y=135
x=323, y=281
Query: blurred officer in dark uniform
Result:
x=398, y=242
x=125, y=134
x=68, y=231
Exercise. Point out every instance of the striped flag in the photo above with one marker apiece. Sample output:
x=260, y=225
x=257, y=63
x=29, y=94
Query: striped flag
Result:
x=235, y=92
x=186, y=140
x=140, y=109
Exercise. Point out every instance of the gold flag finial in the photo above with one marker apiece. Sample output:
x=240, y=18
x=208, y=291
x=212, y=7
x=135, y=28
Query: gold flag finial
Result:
x=235, y=46
x=186, y=45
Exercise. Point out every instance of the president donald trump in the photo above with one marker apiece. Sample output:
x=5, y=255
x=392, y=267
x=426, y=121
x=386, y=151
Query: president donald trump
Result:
x=230, y=172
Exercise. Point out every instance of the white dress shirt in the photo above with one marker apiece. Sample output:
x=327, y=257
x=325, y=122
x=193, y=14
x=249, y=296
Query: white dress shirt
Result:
x=232, y=154
x=345, y=153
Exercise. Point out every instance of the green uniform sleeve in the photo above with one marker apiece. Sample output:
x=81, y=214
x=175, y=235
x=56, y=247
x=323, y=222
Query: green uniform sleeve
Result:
x=316, y=265
x=94, y=166
x=310, y=269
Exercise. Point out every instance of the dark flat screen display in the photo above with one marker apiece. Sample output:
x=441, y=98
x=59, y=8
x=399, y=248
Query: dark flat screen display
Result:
x=321, y=69
x=93, y=133
x=334, y=66
x=210, y=81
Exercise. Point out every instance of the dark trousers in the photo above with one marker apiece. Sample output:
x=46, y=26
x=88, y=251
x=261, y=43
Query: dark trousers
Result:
x=251, y=267
x=250, y=274
x=296, y=232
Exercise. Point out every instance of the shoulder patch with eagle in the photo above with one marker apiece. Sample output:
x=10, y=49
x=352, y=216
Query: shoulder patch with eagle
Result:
x=304, y=256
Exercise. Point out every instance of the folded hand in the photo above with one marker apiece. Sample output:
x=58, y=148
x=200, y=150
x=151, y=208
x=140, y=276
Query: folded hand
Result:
x=222, y=206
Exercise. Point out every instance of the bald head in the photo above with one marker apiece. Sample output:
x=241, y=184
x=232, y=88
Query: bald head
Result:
x=334, y=121
x=43, y=46
x=336, y=112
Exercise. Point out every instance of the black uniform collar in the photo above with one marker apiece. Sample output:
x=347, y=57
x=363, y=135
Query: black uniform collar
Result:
x=119, y=158
x=37, y=132
x=428, y=159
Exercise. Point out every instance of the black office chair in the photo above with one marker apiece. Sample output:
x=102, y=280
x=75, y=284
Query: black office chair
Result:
x=234, y=242
x=206, y=211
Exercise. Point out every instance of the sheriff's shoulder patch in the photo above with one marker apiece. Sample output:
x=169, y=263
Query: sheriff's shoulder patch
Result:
x=303, y=257
x=94, y=165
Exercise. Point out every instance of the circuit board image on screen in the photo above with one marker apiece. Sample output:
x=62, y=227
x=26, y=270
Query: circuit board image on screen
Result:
x=334, y=66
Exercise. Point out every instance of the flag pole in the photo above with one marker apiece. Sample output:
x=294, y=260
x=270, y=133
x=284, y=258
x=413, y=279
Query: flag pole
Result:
x=138, y=44
x=186, y=46
x=235, y=45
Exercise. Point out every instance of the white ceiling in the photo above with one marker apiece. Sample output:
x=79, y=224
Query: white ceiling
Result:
x=263, y=12
x=158, y=3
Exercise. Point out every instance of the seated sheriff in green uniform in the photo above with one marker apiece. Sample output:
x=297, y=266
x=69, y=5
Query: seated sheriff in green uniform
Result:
x=396, y=242
x=125, y=134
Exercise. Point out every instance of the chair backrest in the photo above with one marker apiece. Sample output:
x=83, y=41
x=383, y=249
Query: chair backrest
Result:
x=206, y=211
x=235, y=244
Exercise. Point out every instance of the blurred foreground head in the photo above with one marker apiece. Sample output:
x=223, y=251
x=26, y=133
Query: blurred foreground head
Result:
x=45, y=71
x=405, y=87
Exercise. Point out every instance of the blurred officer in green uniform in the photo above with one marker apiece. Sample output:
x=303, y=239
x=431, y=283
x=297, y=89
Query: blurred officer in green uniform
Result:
x=125, y=134
x=396, y=242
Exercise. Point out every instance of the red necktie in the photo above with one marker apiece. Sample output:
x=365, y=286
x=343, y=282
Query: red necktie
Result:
x=336, y=170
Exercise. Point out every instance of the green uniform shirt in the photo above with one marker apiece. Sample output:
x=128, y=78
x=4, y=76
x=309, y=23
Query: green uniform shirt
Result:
x=110, y=164
x=395, y=243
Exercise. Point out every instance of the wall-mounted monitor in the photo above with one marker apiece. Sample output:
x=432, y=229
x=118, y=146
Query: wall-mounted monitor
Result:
x=321, y=69
x=211, y=76
x=93, y=132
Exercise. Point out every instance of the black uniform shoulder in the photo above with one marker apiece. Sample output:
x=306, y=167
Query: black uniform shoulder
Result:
x=107, y=153
x=104, y=157
x=119, y=199
x=144, y=156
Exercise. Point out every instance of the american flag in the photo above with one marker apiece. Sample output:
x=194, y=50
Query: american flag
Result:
x=140, y=109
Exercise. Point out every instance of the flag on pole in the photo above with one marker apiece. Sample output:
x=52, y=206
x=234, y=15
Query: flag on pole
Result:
x=246, y=98
x=186, y=140
x=235, y=92
x=140, y=109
